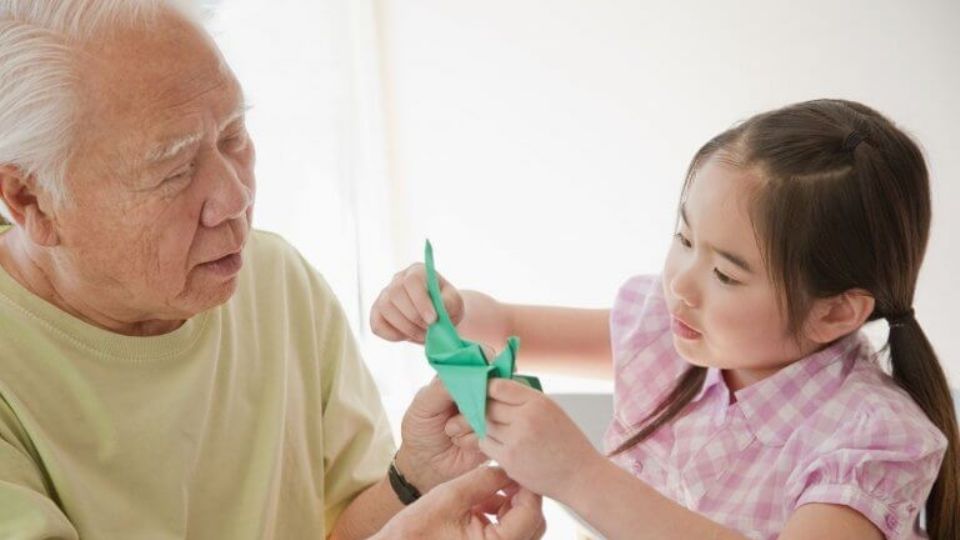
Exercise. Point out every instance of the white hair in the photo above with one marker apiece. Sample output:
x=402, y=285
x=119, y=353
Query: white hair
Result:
x=38, y=40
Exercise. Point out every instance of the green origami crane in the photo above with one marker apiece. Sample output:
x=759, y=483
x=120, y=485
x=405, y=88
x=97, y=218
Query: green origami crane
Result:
x=461, y=364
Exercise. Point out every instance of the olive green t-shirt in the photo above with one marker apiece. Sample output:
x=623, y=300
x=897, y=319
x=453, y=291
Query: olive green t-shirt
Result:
x=256, y=419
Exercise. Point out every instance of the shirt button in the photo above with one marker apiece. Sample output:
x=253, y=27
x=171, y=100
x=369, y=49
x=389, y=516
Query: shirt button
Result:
x=891, y=521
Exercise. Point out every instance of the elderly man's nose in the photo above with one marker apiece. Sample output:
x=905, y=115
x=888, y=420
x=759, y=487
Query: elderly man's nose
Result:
x=230, y=199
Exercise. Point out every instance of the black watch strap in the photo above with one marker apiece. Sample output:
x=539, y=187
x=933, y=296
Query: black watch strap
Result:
x=405, y=491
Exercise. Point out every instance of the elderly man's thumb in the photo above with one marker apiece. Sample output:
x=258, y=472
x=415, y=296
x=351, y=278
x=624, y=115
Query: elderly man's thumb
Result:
x=479, y=484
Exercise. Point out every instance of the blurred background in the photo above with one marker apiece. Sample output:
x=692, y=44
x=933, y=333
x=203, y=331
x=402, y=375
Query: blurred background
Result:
x=541, y=145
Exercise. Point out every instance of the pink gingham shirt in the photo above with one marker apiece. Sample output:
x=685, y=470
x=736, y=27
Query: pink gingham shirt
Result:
x=829, y=428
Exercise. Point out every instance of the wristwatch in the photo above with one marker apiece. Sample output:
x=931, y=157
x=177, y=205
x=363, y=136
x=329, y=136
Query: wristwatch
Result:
x=405, y=491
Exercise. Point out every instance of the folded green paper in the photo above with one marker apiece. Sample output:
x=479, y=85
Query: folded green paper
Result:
x=461, y=364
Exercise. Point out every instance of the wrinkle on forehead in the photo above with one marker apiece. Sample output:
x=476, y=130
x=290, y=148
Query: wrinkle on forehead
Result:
x=141, y=80
x=141, y=69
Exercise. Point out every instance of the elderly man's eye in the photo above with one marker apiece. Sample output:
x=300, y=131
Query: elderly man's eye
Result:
x=234, y=142
x=181, y=174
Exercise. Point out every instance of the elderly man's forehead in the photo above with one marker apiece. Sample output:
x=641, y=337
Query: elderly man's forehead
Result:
x=151, y=86
x=167, y=63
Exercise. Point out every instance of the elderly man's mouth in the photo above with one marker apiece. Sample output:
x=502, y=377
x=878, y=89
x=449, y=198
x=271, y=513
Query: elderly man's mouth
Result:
x=225, y=266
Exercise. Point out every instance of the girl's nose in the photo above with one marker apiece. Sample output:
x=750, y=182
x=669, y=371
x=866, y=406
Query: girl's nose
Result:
x=683, y=286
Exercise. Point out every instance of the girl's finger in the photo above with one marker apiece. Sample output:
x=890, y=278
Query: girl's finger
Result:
x=502, y=413
x=491, y=445
x=452, y=302
x=415, y=284
x=402, y=301
x=496, y=440
x=384, y=329
x=396, y=319
x=510, y=392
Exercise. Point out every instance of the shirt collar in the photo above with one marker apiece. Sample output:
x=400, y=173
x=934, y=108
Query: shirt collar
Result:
x=774, y=406
x=713, y=379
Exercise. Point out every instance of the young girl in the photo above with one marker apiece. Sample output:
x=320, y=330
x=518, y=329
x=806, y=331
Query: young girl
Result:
x=746, y=400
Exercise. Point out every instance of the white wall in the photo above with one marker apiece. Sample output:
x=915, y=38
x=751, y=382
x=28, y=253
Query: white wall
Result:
x=541, y=144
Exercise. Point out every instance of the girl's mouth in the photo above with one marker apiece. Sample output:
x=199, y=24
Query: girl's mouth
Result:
x=683, y=330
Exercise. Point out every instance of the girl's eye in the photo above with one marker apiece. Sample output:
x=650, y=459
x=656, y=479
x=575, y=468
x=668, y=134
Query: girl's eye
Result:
x=725, y=279
x=683, y=240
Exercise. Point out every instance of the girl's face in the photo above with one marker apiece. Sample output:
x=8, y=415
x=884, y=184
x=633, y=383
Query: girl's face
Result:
x=724, y=307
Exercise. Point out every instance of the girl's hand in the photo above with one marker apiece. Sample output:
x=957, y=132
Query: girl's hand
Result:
x=403, y=311
x=533, y=440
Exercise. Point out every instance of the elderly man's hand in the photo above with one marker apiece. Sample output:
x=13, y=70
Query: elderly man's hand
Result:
x=428, y=456
x=458, y=510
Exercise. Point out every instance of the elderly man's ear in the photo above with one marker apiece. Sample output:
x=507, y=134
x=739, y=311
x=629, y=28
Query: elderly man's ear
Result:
x=28, y=207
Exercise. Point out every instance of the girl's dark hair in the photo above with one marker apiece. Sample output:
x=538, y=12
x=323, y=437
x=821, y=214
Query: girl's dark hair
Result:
x=844, y=204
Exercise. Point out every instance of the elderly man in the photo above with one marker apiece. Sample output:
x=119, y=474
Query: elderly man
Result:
x=165, y=371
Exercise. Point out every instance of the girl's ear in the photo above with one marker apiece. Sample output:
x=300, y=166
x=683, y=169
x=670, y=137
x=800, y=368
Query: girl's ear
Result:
x=27, y=205
x=836, y=316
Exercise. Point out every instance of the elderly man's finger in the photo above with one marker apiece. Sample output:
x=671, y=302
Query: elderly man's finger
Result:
x=512, y=489
x=538, y=534
x=493, y=504
x=525, y=518
x=434, y=400
x=457, y=426
x=469, y=441
x=476, y=486
x=461, y=432
x=508, y=493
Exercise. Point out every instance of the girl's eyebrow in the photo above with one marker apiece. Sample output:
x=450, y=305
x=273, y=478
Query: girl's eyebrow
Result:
x=732, y=257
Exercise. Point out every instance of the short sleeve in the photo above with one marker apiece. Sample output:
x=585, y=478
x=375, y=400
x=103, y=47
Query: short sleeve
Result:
x=639, y=315
x=26, y=510
x=646, y=363
x=358, y=443
x=881, y=467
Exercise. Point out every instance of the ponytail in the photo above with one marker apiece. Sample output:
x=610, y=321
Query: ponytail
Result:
x=916, y=370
